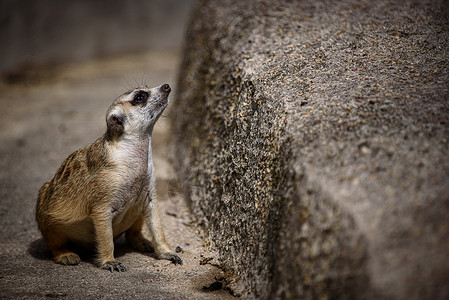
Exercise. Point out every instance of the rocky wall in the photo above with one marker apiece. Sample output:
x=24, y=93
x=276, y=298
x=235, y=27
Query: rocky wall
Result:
x=311, y=139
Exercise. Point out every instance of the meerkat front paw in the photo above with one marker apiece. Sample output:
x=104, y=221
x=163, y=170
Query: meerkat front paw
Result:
x=114, y=266
x=172, y=257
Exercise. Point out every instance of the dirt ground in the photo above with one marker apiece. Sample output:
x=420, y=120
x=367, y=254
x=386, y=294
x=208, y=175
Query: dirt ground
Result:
x=48, y=114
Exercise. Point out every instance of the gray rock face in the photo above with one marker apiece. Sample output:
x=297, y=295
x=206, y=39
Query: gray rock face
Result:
x=312, y=141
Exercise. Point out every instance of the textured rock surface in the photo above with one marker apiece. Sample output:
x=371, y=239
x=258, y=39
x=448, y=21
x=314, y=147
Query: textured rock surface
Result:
x=312, y=141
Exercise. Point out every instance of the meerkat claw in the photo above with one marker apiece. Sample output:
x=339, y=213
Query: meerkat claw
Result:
x=176, y=260
x=114, y=266
x=172, y=257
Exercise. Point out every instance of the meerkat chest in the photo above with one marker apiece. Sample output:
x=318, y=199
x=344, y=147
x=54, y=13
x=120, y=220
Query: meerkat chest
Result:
x=130, y=190
x=130, y=175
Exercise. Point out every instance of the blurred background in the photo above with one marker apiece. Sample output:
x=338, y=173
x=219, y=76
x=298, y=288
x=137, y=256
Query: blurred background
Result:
x=49, y=32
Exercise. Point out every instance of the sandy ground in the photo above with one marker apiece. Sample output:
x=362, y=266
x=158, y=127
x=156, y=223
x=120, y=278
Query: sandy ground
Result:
x=48, y=114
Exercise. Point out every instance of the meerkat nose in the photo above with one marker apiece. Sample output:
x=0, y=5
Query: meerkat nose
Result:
x=165, y=88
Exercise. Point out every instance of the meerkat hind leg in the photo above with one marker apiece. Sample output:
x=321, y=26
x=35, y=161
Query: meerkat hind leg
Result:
x=61, y=255
x=66, y=257
x=136, y=239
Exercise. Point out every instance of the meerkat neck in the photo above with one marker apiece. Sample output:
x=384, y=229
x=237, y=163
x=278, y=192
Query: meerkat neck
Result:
x=130, y=150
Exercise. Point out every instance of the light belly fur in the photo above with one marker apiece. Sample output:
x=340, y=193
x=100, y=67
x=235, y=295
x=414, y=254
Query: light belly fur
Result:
x=83, y=232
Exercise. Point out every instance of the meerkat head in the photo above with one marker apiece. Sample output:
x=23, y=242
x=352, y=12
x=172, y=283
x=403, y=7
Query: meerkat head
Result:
x=136, y=112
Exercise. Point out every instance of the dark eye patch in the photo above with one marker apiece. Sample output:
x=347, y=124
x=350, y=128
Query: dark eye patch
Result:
x=140, y=98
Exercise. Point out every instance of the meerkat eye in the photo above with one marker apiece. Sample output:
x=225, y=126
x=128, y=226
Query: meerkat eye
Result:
x=139, y=98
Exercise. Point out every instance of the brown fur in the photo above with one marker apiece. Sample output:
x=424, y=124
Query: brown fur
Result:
x=108, y=188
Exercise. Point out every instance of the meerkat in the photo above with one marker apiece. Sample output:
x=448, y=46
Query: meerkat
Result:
x=108, y=188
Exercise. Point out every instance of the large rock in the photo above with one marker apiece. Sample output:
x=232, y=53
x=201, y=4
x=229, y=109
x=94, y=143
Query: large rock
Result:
x=312, y=141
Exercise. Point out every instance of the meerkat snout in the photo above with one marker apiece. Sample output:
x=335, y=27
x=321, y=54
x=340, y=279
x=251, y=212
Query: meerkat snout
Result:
x=108, y=188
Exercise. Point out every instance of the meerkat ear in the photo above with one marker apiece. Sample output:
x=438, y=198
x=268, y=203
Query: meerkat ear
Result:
x=115, y=124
